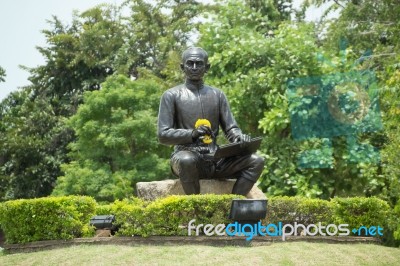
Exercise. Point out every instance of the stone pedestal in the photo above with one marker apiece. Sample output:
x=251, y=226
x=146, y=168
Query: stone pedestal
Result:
x=164, y=188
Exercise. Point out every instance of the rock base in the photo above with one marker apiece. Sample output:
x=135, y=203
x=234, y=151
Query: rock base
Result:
x=159, y=189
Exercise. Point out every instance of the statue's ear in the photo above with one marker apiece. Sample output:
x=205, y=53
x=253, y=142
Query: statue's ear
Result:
x=207, y=66
x=182, y=67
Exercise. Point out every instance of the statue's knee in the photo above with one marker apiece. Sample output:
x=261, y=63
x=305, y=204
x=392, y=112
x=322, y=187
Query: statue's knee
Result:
x=187, y=160
x=257, y=161
x=184, y=166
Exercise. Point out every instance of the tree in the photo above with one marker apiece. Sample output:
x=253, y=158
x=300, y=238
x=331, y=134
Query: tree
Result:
x=154, y=31
x=35, y=116
x=254, y=60
x=30, y=153
x=374, y=26
x=391, y=139
x=116, y=142
x=2, y=74
x=78, y=58
x=366, y=24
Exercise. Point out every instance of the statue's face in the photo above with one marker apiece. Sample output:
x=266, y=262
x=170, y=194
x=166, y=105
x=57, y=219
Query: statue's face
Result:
x=195, y=65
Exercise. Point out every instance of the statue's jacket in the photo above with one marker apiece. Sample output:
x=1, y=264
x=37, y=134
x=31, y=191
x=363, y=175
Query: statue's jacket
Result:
x=182, y=106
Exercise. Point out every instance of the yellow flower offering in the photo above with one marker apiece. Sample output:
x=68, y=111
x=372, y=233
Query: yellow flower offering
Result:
x=204, y=122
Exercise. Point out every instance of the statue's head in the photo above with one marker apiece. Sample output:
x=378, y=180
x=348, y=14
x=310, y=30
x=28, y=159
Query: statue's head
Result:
x=195, y=63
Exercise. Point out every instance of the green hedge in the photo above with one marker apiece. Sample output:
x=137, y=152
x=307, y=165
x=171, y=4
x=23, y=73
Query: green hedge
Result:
x=301, y=210
x=68, y=217
x=360, y=211
x=356, y=212
x=394, y=225
x=396, y=221
x=28, y=220
x=170, y=216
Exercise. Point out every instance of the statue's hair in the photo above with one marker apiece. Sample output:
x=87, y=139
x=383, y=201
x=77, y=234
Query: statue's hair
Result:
x=190, y=50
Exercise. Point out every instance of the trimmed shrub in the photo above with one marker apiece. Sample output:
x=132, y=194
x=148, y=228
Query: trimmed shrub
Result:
x=301, y=210
x=170, y=215
x=129, y=217
x=396, y=221
x=360, y=211
x=27, y=220
x=391, y=236
x=103, y=209
x=68, y=217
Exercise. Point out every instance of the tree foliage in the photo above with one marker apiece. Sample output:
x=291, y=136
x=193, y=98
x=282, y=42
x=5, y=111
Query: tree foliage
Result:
x=99, y=42
x=78, y=102
x=254, y=59
x=2, y=74
x=116, y=142
x=366, y=24
x=78, y=57
x=374, y=26
x=253, y=67
x=154, y=31
x=30, y=150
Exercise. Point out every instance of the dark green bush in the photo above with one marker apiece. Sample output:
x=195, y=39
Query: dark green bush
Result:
x=169, y=216
x=129, y=217
x=27, y=220
x=103, y=209
x=360, y=211
x=68, y=217
x=396, y=221
x=391, y=235
x=301, y=210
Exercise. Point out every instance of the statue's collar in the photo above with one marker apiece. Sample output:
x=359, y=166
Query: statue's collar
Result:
x=193, y=85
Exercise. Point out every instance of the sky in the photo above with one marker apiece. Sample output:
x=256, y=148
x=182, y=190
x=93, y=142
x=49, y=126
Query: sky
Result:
x=21, y=23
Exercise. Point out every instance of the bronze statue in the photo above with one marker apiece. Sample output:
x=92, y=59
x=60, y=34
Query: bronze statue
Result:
x=189, y=117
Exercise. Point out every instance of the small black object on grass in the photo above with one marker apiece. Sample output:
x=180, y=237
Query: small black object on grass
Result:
x=105, y=222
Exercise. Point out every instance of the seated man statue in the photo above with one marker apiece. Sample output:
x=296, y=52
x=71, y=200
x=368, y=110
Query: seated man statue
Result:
x=189, y=117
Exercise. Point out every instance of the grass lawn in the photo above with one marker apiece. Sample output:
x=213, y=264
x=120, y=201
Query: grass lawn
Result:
x=289, y=253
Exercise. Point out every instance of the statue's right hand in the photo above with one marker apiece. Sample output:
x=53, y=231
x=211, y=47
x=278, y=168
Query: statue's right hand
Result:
x=201, y=131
